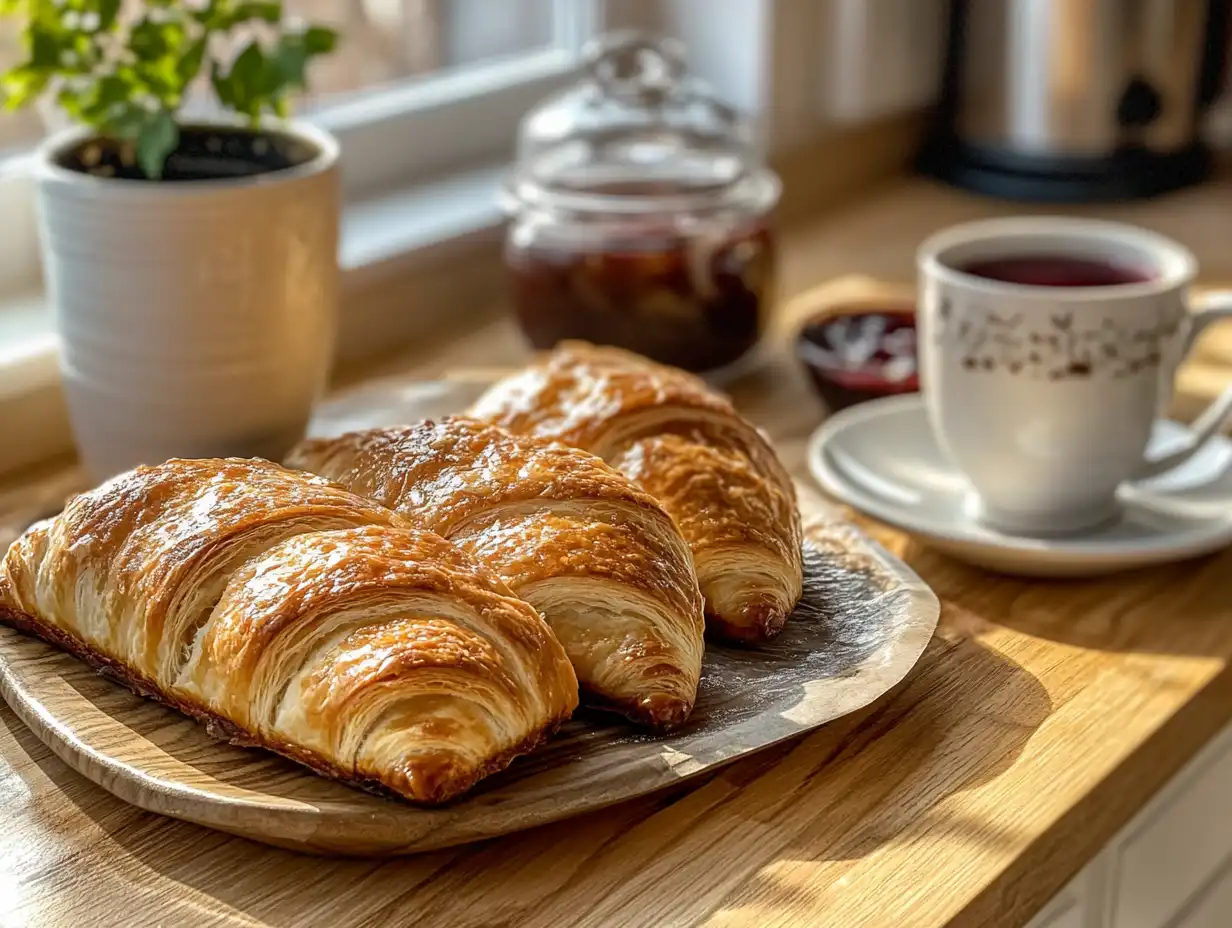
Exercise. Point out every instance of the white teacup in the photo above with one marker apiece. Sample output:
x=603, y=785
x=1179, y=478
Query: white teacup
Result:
x=1044, y=393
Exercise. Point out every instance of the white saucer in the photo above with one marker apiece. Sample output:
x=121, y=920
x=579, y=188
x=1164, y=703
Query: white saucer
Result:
x=881, y=458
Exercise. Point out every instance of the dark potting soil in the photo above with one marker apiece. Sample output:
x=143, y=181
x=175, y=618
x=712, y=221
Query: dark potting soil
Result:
x=204, y=153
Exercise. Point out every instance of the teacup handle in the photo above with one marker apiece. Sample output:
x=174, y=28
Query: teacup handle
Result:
x=1209, y=308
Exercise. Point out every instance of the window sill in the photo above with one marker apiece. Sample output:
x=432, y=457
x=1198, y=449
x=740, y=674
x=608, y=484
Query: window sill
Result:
x=399, y=255
x=415, y=261
x=416, y=222
x=27, y=346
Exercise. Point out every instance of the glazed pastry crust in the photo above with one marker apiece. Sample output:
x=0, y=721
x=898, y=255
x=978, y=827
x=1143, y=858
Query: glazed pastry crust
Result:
x=712, y=470
x=579, y=541
x=287, y=613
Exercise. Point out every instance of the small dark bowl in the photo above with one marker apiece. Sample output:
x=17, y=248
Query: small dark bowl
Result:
x=860, y=352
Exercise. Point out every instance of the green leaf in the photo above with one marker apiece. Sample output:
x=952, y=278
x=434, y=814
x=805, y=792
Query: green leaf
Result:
x=126, y=120
x=151, y=39
x=247, y=80
x=95, y=102
x=107, y=12
x=269, y=11
x=318, y=40
x=249, y=66
x=136, y=89
x=44, y=12
x=190, y=64
x=289, y=61
x=161, y=78
x=84, y=44
x=45, y=46
x=156, y=140
x=207, y=15
x=22, y=85
x=111, y=90
x=73, y=102
x=224, y=15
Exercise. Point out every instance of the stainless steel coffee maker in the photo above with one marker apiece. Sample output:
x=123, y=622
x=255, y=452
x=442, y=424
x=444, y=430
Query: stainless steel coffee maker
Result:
x=1078, y=99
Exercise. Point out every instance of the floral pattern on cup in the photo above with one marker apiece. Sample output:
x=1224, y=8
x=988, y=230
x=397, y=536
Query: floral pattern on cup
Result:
x=1050, y=346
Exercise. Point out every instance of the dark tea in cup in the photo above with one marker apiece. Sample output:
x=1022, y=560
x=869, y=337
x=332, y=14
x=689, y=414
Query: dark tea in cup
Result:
x=1042, y=270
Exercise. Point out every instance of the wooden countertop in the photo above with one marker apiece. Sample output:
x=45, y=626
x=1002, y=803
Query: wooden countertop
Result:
x=1041, y=717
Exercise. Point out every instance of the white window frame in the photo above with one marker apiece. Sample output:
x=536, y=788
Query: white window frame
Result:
x=422, y=162
x=428, y=127
x=405, y=136
x=438, y=141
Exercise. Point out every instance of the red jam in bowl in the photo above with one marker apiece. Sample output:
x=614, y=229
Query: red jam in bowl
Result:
x=689, y=302
x=862, y=355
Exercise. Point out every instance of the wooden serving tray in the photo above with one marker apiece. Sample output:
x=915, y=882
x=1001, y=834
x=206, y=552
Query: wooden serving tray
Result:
x=864, y=621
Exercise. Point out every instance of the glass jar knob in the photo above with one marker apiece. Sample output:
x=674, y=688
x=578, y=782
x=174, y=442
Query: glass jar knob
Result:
x=635, y=67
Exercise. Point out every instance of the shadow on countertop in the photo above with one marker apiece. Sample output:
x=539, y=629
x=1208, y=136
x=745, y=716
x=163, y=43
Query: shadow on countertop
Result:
x=1181, y=608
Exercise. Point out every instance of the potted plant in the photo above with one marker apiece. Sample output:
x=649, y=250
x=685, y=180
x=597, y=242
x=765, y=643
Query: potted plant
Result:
x=191, y=266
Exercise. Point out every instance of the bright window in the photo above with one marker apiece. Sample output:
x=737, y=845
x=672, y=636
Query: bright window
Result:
x=424, y=87
x=416, y=89
x=415, y=85
x=388, y=41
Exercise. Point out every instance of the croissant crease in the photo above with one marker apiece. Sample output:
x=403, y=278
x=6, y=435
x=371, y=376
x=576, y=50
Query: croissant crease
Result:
x=287, y=613
x=580, y=542
x=709, y=468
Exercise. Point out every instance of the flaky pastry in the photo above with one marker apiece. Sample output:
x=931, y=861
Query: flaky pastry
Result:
x=711, y=469
x=285, y=612
x=580, y=542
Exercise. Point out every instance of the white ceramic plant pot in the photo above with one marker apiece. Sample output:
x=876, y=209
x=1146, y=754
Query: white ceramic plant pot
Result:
x=196, y=317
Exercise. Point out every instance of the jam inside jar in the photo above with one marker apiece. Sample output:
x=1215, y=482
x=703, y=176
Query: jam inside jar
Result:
x=641, y=215
x=697, y=303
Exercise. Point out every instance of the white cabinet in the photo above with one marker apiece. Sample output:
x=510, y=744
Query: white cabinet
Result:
x=1065, y=911
x=1213, y=907
x=1171, y=867
x=1175, y=846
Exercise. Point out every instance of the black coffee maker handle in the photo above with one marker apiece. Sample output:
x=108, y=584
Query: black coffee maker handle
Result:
x=1215, y=53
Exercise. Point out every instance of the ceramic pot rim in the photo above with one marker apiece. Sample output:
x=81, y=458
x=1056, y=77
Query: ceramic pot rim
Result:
x=325, y=159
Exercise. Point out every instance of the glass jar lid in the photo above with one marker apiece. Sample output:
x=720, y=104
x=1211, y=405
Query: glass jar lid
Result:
x=638, y=134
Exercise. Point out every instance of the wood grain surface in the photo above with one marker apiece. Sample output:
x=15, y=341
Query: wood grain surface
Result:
x=1039, y=720
x=863, y=622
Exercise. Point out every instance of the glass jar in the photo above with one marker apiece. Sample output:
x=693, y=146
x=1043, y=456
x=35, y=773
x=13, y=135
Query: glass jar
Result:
x=641, y=213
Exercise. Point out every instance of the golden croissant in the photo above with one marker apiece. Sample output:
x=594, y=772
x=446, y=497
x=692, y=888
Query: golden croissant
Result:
x=580, y=542
x=713, y=472
x=287, y=613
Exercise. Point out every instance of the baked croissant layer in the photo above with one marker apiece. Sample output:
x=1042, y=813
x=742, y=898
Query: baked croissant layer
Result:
x=288, y=613
x=576, y=539
x=710, y=469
